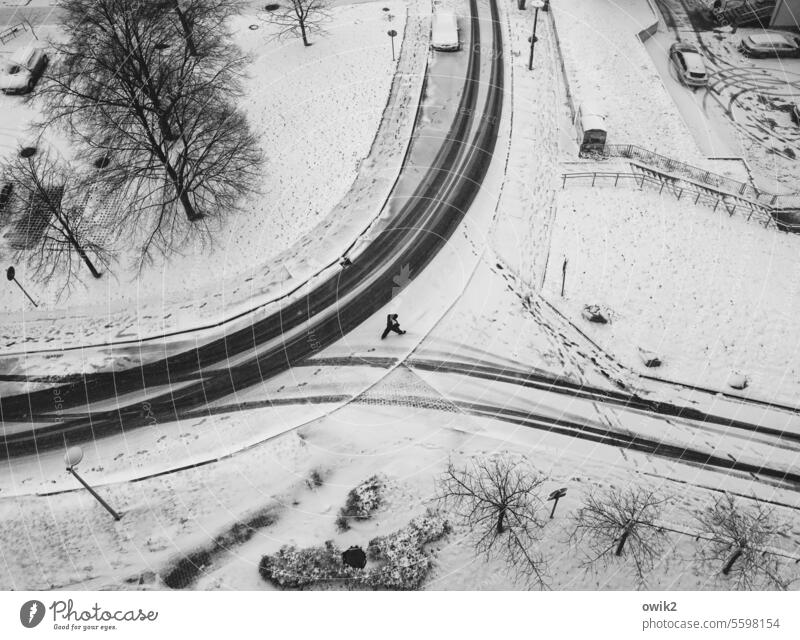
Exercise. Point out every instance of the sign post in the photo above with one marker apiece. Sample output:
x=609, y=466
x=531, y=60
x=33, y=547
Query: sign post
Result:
x=392, y=33
x=555, y=497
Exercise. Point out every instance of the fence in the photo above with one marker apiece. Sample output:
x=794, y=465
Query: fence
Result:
x=714, y=180
x=679, y=190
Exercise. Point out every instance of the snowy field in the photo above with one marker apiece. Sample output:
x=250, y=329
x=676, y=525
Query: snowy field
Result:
x=711, y=294
x=316, y=111
x=607, y=65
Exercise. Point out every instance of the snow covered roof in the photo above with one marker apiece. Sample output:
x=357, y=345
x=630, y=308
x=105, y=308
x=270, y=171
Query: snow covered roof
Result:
x=592, y=117
x=769, y=38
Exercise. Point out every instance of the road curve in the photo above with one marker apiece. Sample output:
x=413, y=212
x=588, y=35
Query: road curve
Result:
x=304, y=327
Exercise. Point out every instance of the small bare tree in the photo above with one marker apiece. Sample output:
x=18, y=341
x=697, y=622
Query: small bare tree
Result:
x=299, y=18
x=49, y=233
x=621, y=522
x=737, y=542
x=497, y=498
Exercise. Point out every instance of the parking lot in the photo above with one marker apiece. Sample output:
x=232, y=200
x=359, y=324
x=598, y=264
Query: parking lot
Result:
x=746, y=109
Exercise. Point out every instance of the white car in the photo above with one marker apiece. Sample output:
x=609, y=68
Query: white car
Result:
x=689, y=64
x=771, y=44
x=20, y=72
x=444, y=34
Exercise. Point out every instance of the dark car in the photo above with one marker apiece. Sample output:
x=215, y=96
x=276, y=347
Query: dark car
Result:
x=689, y=63
x=796, y=113
x=771, y=44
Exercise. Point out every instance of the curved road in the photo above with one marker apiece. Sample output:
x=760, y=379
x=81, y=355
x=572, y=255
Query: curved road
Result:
x=304, y=327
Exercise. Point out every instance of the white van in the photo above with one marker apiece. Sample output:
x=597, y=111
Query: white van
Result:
x=591, y=128
x=444, y=36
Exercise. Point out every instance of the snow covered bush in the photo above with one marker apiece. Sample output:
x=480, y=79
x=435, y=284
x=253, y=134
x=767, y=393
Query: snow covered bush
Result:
x=294, y=568
x=362, y=502
x=404, y=561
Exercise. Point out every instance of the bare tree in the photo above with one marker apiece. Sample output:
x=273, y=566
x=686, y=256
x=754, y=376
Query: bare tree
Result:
x=621, y=522
x=738, y=541
x=49, y=232
x=497, y=498
x=299, y=18
x=177, y=149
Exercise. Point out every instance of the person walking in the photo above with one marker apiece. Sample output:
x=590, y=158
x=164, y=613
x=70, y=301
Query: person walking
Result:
x=392, y=325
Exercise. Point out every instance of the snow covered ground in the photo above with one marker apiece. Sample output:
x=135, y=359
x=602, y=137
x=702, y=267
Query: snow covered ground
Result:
x=607, y=65
x=709, y=293
x=68, y=541
x=330, y=96
x=712, y=294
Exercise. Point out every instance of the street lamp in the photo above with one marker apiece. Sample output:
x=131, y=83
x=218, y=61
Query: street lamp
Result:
x=536, y=4
x=11, y=276
x=72, y=458
x=392, y=33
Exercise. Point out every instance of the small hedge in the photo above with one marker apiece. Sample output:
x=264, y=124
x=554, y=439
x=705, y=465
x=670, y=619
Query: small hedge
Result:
x=400, y=561
x=185, y=570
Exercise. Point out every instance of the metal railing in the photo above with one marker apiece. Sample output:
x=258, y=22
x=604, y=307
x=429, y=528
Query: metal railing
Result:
x=697, y=195
x=709, y=178
x=11, y=32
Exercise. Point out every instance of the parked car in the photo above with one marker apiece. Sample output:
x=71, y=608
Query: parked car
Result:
x=689, y=63
x=771, y=44
x=444, y=34
x=796, y=113
x=21, y=71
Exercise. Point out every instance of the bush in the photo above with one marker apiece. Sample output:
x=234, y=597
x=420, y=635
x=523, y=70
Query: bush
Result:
x=405, y=562
x=294, y=568
x=362, y=502
x=186, y=569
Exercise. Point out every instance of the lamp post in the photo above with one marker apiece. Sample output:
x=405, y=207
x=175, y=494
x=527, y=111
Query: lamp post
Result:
x=72, y=457
x=392, y=33
x=536, y=4
x=11, y=275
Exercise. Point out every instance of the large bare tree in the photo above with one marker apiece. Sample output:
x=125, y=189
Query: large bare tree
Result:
x=49, y=231
x=497, y=499
x=195, y=18
x=160, y=114
x=299, y=18
x=621, y=522
x=736, y=541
